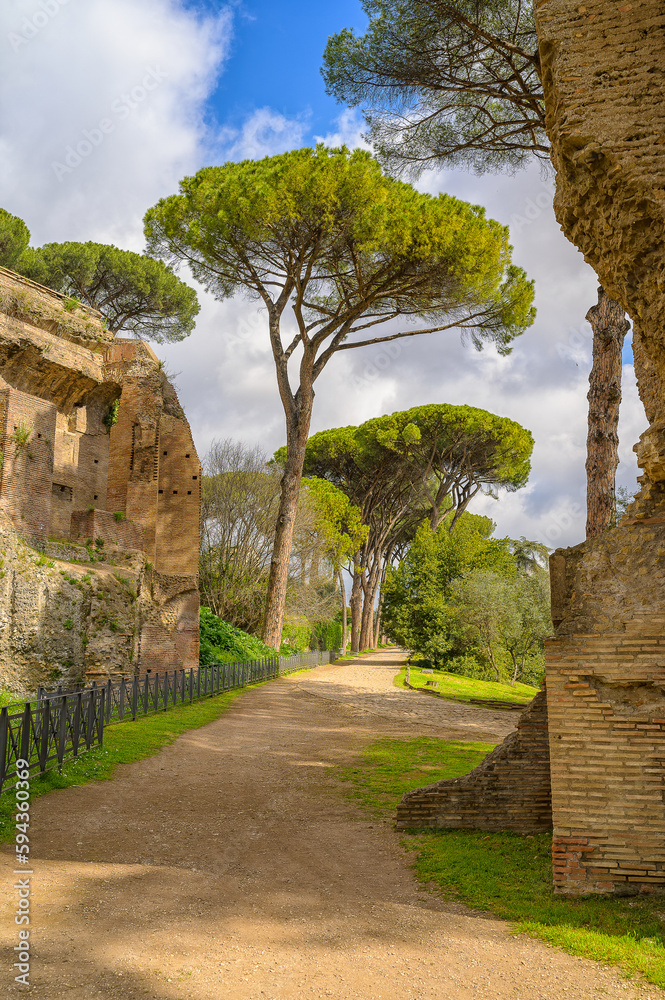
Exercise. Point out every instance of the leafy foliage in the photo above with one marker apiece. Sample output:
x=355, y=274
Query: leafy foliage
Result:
x=14, y=238
x=462, y=599
x=135, y=294
x=455, y=81
x=223, y=643
x=324, y=234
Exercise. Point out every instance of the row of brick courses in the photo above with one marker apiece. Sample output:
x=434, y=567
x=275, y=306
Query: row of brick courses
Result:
x=608, y=783
x=509, y=790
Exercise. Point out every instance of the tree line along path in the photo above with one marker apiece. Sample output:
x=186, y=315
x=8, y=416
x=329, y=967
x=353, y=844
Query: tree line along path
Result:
x=231, y=864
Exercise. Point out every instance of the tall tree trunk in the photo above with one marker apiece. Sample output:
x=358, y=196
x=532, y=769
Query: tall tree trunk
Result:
x=356, y=604
x=296, y=442
x=377, y=625
x=342, y=590
x=609, y=326
x=371, y=588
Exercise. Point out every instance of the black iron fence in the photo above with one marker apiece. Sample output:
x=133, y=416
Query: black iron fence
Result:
x=57, y=725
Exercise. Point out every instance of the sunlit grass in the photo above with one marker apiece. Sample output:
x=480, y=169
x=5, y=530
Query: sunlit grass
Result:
x=504, y=873
x=460, y=688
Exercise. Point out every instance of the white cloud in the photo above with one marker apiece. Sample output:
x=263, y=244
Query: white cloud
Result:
x=88, y=62
x=264, y=133
x=106, y=110
x=348, y=132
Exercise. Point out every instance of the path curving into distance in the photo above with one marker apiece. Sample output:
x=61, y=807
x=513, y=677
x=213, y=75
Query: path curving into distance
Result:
x=230, y=866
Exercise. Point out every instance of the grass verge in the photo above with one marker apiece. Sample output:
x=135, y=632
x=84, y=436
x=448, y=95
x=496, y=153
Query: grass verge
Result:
x=504, y=873
x=124, y=743
x=456, y=687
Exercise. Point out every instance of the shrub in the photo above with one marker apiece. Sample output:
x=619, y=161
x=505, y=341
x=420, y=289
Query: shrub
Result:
x=221, y=642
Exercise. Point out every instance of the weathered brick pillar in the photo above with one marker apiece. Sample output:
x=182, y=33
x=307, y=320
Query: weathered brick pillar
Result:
x=606, y=703
x=509, y=790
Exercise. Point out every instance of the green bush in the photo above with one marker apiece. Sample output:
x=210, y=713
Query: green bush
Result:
x=296, y=637
x=223, y=643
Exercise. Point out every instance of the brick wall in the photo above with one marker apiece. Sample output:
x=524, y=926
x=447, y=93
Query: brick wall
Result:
x=509, y=790
x=103, y=524
x=27, y=475
x=606, y=696
x=60, y=373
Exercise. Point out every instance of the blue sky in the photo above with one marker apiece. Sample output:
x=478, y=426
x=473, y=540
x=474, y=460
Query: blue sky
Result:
x=243, y=80
x=275, y=60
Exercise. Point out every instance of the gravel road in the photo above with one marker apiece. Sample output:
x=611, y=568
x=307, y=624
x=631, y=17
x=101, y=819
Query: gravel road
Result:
x=230, y=865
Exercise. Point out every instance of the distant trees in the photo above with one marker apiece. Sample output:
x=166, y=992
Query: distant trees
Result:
x=469, y=602
x=425, y=463
x=135, y=294
x=460, y=82
x=240, y=504
x=14, y=238
x=333, y=248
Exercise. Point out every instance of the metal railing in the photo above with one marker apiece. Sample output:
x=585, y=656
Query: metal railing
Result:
x=57, y=725
x=51, y=731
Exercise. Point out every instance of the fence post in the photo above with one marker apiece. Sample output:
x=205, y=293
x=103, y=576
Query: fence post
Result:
x=135, y=695
x=146, y=693
x=25, y=733
x=166, y=689
x=76, y=735
x=44, y=734
x=90, y=727
x=121, y=706
x=4, y=733
x=100, y=717
x=62, y=731
x=191, y=685
x=108, y=701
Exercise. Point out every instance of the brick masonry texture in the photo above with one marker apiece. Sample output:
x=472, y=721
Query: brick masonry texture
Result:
x=129, y=492
x=603, y=67
x=509, y=790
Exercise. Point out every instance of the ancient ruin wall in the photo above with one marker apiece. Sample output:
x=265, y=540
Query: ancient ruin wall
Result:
x=603, y=66
x=126, y=503
x=509, y=790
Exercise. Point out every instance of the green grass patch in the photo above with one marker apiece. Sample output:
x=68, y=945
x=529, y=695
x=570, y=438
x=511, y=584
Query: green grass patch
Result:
x=391, y=767
x=124, y=743
x=456, y=687
x=504, y=873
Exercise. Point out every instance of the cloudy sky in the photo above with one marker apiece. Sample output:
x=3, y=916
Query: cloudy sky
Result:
x=107, y=104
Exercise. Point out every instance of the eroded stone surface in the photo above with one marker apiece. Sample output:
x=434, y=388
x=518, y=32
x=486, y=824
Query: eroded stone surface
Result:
x=603, y=70
x=122, y=498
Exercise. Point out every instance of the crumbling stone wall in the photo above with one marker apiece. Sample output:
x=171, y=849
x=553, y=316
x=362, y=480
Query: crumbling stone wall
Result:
x=123, y=494
x=603, y=68
x=509, y=790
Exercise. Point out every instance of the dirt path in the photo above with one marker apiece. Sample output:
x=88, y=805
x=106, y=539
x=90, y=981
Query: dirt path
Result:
x=229, y=865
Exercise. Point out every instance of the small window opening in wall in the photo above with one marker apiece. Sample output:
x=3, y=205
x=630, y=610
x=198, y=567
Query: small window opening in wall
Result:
x=95, y=497
x=195, y=477
x=96, y=461
x=161, y=491
x=38, y=435
x=186, y=456
x=175, y=492
x=165, y=453
x=189, y=493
